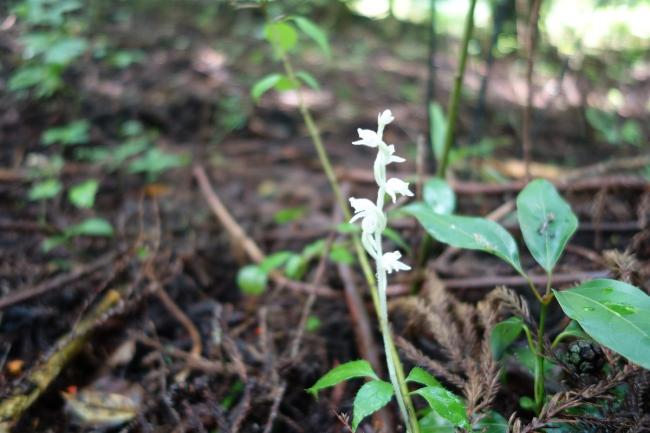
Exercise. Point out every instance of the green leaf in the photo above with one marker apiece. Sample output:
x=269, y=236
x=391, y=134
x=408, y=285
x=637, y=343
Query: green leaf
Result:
x=252, y=280
x=275, y=260
x=346, y=228
x=83, y=194
x=313, y=324
x=309, y=28
x=434, y=423
x=52, y=242
x=290, y=214
x=421, y=376
x=340, y=373
x=295, y=267
x=394, y=236
x=615, y=314
x=285, y=83
x=371, y=397
x=439, y=196
x=504, y=334
x=90, y=227
x=341, y=254
x=45, y=78
x=525, y=356
x=527, y=403
x=282, y=36
x=44, y=190
x=264, y=84
x=492, y=422
x=155, y=161
x=468, y=232
x=65, y=50
x=73, y=133
x=438, y=126
x=547, y=222
x=308, y=79
x=446, y=404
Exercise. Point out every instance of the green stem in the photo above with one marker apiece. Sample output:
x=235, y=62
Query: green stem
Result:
x=539, y=358
x=454, y=102
x=314, y=134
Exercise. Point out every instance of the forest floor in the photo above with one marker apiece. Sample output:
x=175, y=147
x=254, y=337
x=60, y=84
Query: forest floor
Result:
x=180, y=343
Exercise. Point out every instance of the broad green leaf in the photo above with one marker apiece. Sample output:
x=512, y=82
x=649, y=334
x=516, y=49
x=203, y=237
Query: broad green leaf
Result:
x=504, y=334
x=73, y=133
x=340, y=373
x=275, y=260
x=156, y=161
x=438, y=126
x=470, y=233
x=371, y=397
x=252, y=280
x=546, y=220
x=90, y=227
x=83, y=194
x=446, y=404
x=423, y=377
x=282, y=36
x=308, y=79
x=313, y=31
x=614, y=313
x=264, y=84
x=439, y=196
x=64, y=50
x=48, y=188
x=527, y=358
x=45, y=78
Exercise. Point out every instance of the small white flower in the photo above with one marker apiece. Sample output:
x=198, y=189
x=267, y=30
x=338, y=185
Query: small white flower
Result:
x=368, y=138
x=390, y=262
x=384, y=119
x=396, y=186
x=387, y=155
x=373, y=218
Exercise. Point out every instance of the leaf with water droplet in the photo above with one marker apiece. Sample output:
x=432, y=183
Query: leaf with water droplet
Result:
x=613, y=313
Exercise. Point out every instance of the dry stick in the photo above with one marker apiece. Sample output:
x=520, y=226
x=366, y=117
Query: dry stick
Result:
x=26, y=293
x=238, y=236
x=13, y=407
x=527, y=139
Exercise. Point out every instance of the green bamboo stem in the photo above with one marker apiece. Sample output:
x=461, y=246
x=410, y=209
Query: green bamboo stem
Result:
x=454, y=102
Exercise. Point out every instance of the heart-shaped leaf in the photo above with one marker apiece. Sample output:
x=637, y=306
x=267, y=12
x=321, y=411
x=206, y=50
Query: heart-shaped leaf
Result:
x=614, y=313
x=546, y=220
x=371, y=397
x=340, y=373
x=470, y=233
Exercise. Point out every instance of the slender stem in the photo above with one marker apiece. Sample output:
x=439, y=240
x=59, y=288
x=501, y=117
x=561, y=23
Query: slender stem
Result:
x=539, y=360
x=314, y=134
x=454, y=102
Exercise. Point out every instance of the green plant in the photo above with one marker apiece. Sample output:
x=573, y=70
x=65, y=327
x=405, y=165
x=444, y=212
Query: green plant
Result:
x=610, y=129
x=376, y=393
x=605, y=309
x=50, y=44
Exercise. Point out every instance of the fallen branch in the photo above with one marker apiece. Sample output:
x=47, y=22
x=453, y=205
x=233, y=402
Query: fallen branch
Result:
x=13, y=407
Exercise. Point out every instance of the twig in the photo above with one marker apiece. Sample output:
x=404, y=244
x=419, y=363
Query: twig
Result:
x=499, y=280
x=250, y=247
x=23, y=294
x=13, y=407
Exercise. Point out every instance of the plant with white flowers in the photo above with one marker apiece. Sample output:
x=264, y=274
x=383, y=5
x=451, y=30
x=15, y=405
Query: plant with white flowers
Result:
x=376, y=393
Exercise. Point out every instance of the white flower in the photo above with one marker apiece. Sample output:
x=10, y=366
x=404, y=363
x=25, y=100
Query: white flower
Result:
x=368, y=138
x=397, y=186
x=373, y=218
x=387, y=155
x=390, y=262
x=384, y=119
